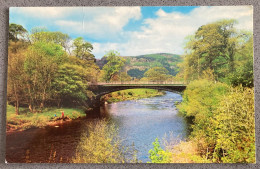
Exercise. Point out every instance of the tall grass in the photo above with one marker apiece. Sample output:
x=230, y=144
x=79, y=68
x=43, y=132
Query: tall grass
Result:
x=103, y=145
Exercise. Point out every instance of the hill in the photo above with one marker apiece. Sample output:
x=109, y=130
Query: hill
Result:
x=135, y=66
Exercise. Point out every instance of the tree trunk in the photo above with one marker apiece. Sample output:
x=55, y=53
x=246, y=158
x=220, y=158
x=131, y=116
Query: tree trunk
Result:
x=30, y=108
x=59, y=101
x=16, y=101
x=17, y=107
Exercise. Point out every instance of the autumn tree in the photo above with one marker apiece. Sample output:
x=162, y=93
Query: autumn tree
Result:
x=16, y=74
x=16, y=56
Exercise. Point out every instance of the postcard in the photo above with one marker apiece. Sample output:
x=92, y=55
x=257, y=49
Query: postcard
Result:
x=139, y=84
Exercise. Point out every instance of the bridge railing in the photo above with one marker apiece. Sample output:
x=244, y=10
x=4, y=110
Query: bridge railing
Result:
x=141, y=83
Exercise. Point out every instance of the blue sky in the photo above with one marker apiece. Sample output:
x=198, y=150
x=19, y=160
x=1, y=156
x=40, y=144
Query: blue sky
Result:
x=130, y=30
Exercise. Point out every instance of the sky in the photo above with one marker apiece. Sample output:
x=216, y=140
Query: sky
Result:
x=131, y=31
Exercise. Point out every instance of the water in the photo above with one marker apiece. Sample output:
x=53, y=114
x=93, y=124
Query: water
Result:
x=139, y=122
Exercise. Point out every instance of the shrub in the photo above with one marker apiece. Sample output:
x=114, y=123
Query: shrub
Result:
x=223, y=121
x=235, y=127
x=158, y=155
x=103, y=145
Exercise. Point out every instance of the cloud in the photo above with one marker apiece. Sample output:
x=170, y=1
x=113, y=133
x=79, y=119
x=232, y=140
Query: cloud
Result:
x=46, y=12
x=104, y=27
x=104, y=21
x=166, y=32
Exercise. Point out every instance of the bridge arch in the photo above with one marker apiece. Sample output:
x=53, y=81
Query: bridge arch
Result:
x=100, y=90
x=106, y=90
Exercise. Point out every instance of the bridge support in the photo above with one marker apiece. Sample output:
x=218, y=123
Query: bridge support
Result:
x=94, y=106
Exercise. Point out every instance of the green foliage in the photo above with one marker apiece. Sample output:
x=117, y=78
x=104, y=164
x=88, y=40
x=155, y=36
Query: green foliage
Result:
x=235, y=127
x=103, y=145
x=223, y=120
x=141, y=64
x=41, y=65
x=43, y=35
x=41, y=72
x=243, y=73
x=70, y=83
x=157, y=74
x=26, y=119
x=137, y=65
x=202, y=96
x=131, y=94
x=136, y=73
x=219, y=47
x=200, y=100
x=124, y=77
x=158, y=155
x=113, y=66
x=16, y=32
x=16, y=74
x=83, y=49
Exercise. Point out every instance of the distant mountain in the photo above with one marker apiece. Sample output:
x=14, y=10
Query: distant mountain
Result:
x=136, y=66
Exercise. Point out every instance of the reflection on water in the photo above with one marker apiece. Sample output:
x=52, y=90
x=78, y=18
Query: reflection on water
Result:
x=139, y=122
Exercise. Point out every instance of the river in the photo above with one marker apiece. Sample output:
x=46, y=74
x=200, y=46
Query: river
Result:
x=139, y=122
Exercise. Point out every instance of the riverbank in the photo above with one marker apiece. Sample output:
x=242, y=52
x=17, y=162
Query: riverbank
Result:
x=49, y=116
x=223, y=128
x=131, y=94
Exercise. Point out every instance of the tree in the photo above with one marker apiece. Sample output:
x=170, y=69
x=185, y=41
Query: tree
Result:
x=43, y=35
x=70, y=84
x=16, y=56
x=243, y=73
x=16, y=74
x=82, y=49
x=137, y=73
x=41, y=65
x=113, y=66
x=157, y=74
x=16, y=32
x=214, y=47
x=124, y=77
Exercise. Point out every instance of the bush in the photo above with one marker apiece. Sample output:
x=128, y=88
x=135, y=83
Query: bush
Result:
x=235, y=127
x=158, y=155
x=223, y=121
x=201, y=98
x=103, y=145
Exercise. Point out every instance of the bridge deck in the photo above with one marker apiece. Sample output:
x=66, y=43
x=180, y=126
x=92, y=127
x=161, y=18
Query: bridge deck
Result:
x=141, y=84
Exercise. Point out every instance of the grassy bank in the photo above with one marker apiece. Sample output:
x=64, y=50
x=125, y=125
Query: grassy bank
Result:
x=131, y=94
x=26, y=119
x=223, y=128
